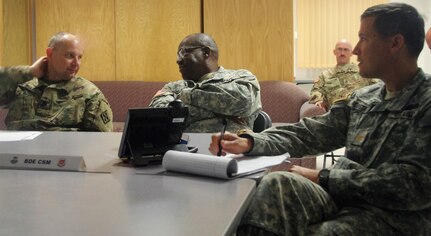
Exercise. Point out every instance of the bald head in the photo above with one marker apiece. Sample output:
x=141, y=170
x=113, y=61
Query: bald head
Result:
x=428, y=38
x=205, y=40
x=343, y=52
x=60, y=38
x=197, y=55
x=344, y=43
x=64, y=55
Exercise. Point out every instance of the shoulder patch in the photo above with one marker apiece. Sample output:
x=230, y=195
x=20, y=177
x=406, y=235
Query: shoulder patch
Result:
x=105, y=117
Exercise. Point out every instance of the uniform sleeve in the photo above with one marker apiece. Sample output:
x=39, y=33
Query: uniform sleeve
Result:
x=167, y=94
x=233, y=96
x=310, y=136
x=316, y=92
x=404, y=185
x=98, y=114
x=10, y=77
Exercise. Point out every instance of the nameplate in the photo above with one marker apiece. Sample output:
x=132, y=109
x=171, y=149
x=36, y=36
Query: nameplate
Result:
x=41, y=162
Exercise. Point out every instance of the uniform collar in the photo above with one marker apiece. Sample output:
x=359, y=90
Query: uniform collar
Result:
x=349, y=67
x=211, y=74
x=404, y=98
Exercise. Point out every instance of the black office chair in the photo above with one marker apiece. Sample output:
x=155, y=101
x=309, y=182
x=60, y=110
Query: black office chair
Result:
x=262, y=122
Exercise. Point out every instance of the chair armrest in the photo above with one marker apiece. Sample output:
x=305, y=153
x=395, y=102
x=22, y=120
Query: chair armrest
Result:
x=118, y=127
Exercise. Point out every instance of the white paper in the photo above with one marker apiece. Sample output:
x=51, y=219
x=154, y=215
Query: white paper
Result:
x=220, y=167
x=200, y=164
x=8, y=136
x=248, y=164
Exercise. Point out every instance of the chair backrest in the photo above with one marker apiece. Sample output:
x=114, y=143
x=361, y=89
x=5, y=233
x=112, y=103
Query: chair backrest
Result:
x=123, y=95
x=3, y=114
x=282, y=100
x=262, y=122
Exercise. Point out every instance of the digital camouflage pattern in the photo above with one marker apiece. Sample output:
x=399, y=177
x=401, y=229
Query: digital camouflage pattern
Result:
x=231, y=94
x=382, y=187
x=336, y=84
x=75, y=105
x=292, y=196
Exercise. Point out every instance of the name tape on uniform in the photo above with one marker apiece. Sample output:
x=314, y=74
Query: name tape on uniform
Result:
x=43, y=162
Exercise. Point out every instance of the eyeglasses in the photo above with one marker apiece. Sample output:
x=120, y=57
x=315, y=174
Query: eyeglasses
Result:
x=182, y=52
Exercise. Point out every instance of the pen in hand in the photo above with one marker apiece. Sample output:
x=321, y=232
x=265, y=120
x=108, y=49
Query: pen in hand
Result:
x=221, y=137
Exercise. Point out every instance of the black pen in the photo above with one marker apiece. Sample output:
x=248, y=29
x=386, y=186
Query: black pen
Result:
x=221, y=136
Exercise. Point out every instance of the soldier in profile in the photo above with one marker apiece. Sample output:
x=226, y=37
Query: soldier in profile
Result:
x=49, y=96
x=382, y=186
x=211, y=92
x=336, y=84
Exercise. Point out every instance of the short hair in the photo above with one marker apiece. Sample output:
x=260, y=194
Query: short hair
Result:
x=207, y=41
x=399, y=18
x=56, y=38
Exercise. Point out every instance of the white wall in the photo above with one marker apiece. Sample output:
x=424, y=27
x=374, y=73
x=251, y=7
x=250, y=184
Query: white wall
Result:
x=424, y=60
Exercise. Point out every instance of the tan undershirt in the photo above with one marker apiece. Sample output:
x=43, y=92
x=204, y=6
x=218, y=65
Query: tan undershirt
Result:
x=390, y=95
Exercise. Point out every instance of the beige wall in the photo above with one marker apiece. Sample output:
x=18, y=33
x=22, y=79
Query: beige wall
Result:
x=93, y=21
x=320, y=24
x=15, y=37
x=138, y=39
x=124, y=39
x=147, y=37
x=253, y=34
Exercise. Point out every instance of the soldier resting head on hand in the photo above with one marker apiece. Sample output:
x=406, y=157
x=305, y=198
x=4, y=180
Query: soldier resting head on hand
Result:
x=49, y=95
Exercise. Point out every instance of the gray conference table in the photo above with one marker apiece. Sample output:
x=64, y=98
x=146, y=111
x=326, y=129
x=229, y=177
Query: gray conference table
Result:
x=37, y=202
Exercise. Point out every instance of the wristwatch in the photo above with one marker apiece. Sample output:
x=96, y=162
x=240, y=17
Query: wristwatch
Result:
x=324, y=178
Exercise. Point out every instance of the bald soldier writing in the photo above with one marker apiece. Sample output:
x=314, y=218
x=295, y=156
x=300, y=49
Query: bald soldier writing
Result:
x=49, y=95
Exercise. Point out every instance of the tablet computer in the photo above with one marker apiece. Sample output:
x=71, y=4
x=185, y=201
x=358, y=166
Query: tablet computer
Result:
x=150, y=132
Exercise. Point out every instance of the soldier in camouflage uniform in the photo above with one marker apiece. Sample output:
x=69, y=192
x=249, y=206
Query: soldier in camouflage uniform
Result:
x=383, y=185
x=49, y=96
x=337, y=83
x=211, y=92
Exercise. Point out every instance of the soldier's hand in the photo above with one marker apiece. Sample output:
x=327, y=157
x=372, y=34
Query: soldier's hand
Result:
x=231, y=143
x=321, y=105
x=39, y=67
x=310, y=174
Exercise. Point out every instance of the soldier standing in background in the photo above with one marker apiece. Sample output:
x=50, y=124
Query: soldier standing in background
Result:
x=49, y=95
x=212, y=93
x=337, y=83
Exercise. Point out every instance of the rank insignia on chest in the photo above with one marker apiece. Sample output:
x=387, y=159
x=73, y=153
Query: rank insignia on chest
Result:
x=360, y=138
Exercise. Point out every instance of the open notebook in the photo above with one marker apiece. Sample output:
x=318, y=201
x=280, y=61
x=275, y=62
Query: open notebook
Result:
x=225, y=167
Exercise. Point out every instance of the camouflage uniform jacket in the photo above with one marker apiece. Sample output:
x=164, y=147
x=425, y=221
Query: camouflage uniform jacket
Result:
x=337, y=83
x=234, y=94
x=75, y=105
x=387, y=168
